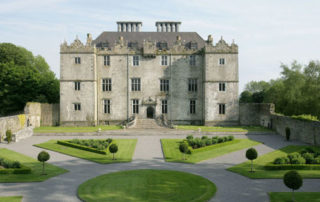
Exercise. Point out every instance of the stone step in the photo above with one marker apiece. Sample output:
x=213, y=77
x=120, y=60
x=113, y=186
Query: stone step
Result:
x=146, y=124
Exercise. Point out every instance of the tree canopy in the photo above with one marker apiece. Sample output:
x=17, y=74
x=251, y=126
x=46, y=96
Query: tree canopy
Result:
x=24, y=78
x=295, y=92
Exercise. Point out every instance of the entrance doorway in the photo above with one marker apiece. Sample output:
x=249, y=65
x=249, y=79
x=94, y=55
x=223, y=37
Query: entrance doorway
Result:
x=150, y=112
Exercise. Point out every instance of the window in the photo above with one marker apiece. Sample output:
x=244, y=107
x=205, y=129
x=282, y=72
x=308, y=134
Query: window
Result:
x=222, y=108
x=135, y=106
x=77, y=60
x=162, y=45
x=135, y=84
x=77, y=106
x=106, y=106
x=77, y=85
x=192, y=60
x=164, y=60
x=164, y=85
x=221, y=61
x=133, y=44
x=192, y=45
x=106, y=60
x=106, y=84
x=222, y=86
x=136, y=60
x=192, y=85
x=192, y=106
x=164, y=105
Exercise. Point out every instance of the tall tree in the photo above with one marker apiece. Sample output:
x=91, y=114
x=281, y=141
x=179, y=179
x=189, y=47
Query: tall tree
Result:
x=24, y=78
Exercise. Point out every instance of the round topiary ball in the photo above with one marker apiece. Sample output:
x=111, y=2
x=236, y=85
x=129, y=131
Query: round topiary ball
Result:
x=113, y=148
x=251, y=154
x=293, y=180
x=43, y=156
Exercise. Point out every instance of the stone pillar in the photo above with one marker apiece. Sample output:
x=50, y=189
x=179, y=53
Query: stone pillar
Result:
x=129, y=27
x=162, y=27
x=124, y=26
x=119, y=27
x=178, y=27
x=173, y=28
x=168, y=27
x=158, y=27
x=134, y=27
x=139, y=27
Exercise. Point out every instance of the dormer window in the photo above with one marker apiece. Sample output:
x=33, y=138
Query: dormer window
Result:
x=162, y=45
x=193, y=45
x=133, y=44
x=103, y=45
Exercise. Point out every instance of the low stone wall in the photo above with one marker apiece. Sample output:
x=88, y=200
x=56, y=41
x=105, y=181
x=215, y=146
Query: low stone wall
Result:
x=263, y=115
x=50, y=114
x=12, y=123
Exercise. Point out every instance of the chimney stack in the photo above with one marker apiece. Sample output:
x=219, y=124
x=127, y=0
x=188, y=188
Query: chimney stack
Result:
x=168, y=26
x=129, y=26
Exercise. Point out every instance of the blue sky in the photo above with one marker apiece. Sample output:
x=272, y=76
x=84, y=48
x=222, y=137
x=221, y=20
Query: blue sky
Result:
x=268, y=32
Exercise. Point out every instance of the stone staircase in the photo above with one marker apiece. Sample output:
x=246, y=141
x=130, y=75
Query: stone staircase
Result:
x=146, y=124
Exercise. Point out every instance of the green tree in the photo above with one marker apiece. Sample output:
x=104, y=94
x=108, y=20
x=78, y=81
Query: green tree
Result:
x=183, y=147
x=257, y=86
x=43, y=156
x=24, y=78
x=113, y=149
x=251, y=154
x=246, y=97
x=293, y=180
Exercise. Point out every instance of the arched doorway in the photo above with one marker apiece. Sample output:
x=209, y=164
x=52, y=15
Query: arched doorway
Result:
x=150, y=112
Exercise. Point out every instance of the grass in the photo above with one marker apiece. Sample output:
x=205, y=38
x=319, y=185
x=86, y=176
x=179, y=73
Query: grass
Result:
x=126, y=149
x=172, y=154
x=74, y=129
x=298, y=196
x=36, y=167
x=147, y=185
x=10, y=198
x=262, y=173
x=224, y=128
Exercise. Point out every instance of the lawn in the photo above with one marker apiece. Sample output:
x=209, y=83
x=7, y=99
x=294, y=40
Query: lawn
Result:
x=261, y=172
x=298, y=196
x=147, y=185
x=36, y=167
x=10, y=198
x=224, y=128
x=172, y=154
x=125, y=152
x=74, y=129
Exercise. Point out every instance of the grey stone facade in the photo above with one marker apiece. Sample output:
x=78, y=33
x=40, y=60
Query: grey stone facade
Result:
x=166, y=54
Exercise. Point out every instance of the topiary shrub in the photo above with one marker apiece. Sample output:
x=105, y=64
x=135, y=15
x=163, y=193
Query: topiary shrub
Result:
x=9, y=136
x=230, y=138
x=214, y=141
x=183, y=147
x=298, y=160
x=293, y=155
x=225, y=139
x=281, y=160
x=203, y=143
x=288, y=133
x=293, y=180
x=190, y=137
x=208, y=142
x=43, y=156
x=251, y=154
x=309, y=157
x=220, y=140
x=113, y=149
x=204, y=137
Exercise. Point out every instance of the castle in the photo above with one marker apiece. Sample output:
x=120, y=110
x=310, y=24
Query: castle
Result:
x=167, y=73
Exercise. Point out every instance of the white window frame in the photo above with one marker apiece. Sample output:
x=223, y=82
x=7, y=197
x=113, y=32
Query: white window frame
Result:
x=164, y=60
x=106, y=106
x=192, y=60
x=164, y=85
x=192, y=106
x=135, y=84
x=192, y=85
x=135, y=106
x=77, y=86
x=135, y=60
x=106, y=84
x=106, y=60
x=164, y=106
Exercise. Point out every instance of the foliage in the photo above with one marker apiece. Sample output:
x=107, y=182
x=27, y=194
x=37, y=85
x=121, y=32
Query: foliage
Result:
x=196, y=143
x=288, y=133
x=22, y=119
x=113, y=149
x=9, y=164
x=293, y=180
x=296, y=92
x=93, y=143
x=305, y=117
x=183, y=147
x=9, y=136
x=306, y=156
x=251, y=154
x=82, y=147
x=13, y=167
x=24, y=78
x=43, y=156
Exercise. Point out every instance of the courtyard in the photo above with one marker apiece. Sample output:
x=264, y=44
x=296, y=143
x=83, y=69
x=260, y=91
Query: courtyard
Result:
x=148, y=154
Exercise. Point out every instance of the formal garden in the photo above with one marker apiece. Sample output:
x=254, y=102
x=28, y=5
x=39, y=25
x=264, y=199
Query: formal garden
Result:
x=96, y=150
x=200, y=149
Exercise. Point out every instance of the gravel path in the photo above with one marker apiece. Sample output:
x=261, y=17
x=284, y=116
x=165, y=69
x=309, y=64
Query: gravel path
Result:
x=148, y=155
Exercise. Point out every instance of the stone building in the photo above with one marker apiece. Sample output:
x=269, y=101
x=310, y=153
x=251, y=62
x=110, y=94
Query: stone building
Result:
x=167, y=73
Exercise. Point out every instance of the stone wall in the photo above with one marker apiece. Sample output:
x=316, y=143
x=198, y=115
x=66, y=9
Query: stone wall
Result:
x=10, y=123
x=49, y=114
x=263, y=115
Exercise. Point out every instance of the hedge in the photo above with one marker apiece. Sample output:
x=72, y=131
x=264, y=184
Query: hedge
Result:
x=22, y=170
x=271, y=166
x=213, y=146
x=77, y=146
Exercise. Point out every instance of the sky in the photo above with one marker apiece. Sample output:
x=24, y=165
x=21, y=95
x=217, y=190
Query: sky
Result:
x=268, y=32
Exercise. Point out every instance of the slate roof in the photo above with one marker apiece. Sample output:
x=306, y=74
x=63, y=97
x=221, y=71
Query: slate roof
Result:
x=169, y=37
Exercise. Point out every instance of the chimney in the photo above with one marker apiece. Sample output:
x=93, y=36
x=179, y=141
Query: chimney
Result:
x=168, y=26
x=129, y=26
